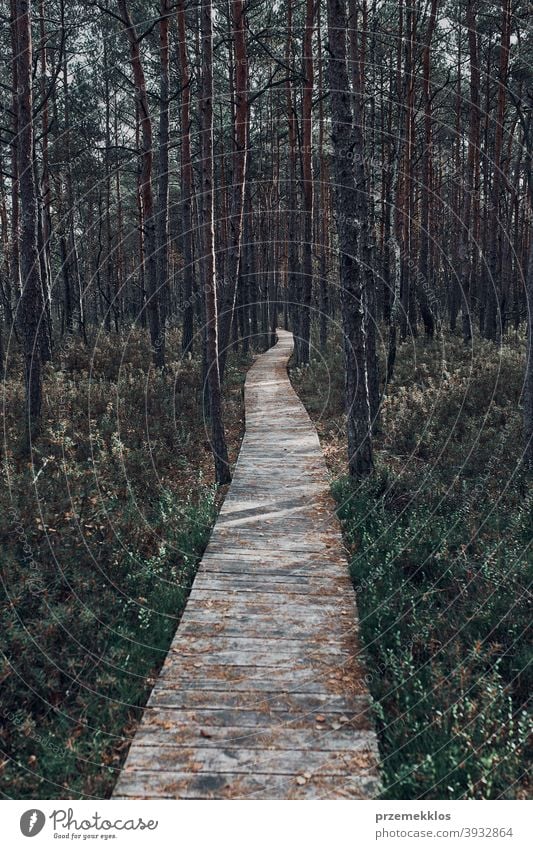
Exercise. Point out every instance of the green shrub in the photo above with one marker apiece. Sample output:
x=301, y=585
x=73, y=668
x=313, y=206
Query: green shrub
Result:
x=99, y=542
x=440, y=542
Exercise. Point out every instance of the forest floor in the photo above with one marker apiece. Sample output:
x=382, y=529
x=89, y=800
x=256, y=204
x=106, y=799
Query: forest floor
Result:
x=440, y=544
x=99, y=541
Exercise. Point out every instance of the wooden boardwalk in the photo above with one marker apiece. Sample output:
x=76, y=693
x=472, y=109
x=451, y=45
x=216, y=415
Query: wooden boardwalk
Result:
x=262, y=694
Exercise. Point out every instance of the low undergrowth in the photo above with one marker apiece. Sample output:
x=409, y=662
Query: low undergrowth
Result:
x=99, y=540
x=440, y=542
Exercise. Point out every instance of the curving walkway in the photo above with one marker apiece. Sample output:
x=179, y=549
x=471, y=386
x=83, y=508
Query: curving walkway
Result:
x=262, y=693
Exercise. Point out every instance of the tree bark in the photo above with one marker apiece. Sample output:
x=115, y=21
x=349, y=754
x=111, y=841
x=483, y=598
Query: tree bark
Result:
x=73, y=248
x=303, y=341
x=43, y=202
x=240, y=137
x=528, y=382
x=157, y=335
x=465, y=238
x=186, y=184
x=30, y=312
x=15, y=200
x=220, y=453
x=493, y=327
x=163, y=162
x=292, y=254
x=323, y=222
x=423, y=285
x=349, y=228
x=363, y=201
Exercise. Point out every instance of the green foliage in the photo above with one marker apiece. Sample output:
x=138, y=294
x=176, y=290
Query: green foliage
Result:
x=444, y=624
x=441, y=562
x=80, y=654
x=100, y=539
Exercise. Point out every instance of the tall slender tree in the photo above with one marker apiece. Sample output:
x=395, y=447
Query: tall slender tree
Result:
x=465, y=238
x=162, y=232
x=209, y=281
x=349, y=227
x=240, y=135
x=30, y=310
x=424, y=257
x=157, y=334
x=292, y=187
x=303, y=340
x=186, y=183
x=493, y=315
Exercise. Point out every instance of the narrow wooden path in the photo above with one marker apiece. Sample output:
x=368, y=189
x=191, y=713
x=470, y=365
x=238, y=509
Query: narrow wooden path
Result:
x=262, y=694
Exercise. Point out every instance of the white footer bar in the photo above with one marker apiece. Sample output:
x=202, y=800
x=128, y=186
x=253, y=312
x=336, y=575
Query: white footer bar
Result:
x=264, y=825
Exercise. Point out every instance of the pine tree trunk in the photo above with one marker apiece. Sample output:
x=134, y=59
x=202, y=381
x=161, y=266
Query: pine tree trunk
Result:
x=149, y=217
x=186, y=185
x=240, y=137
x=30, y=312
x=292, y=255
x=349, y=228
x=220, y=453
x=43, y=209
x=15, y=199
x=493, y=327
x=110, y=304
x=70, y=218
x=323, y=222
x=163, y=163
x=465, y=239
x=361, y=168
x=5, y=279
x=424, y=276
x=528, y=381
x=303, y=341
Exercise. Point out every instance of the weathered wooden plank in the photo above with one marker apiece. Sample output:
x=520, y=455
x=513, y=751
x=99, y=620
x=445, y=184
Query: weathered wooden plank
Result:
x=303, y=605
x=262, y=694
x=263, y=716
x=274, y=571
x=267, y=715
x=157, y=784
x=260, y=555
x=318, y=657
x=356, y=709
x=172, y=734
x=261, y=584
x=242, y=625
x=359, y=757
x=266, y=646
x=266, y=678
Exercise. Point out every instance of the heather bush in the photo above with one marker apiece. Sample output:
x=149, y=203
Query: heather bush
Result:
x=99, y=538
x=440, y=542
